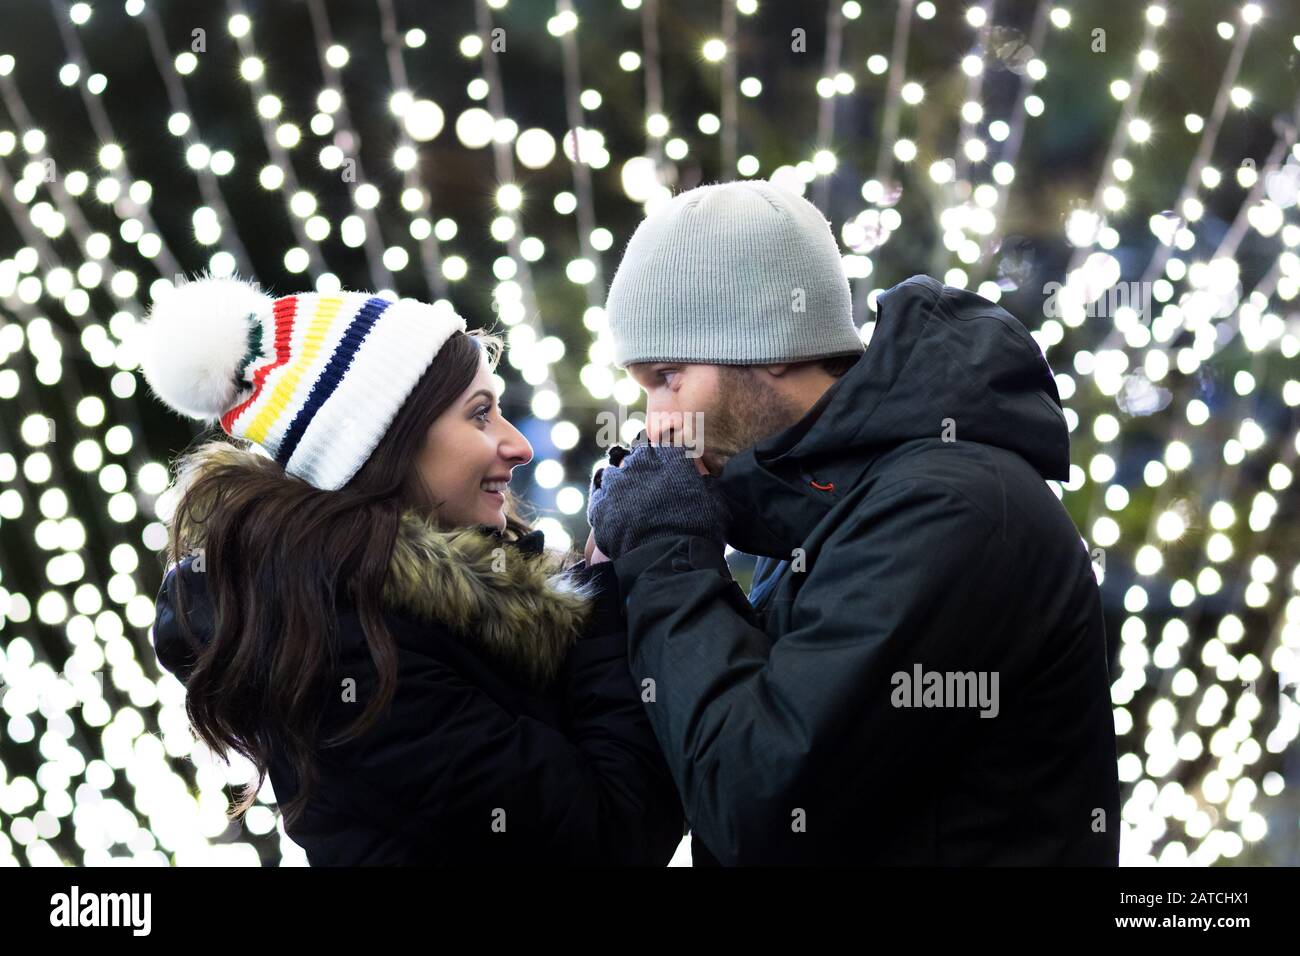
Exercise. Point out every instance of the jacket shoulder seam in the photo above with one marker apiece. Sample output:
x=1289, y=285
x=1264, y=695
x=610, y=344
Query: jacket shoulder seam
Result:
x=953, y=489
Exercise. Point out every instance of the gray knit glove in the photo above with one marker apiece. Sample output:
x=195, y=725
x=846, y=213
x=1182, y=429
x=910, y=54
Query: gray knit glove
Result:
x=653, y=492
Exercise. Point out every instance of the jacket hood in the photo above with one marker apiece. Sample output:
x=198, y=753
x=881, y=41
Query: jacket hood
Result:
x=509, y=598
x=937, y=353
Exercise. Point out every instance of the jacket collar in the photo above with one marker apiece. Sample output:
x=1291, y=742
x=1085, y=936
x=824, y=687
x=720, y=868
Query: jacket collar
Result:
x=775, y=495
x=938, y=354
x=511, y=599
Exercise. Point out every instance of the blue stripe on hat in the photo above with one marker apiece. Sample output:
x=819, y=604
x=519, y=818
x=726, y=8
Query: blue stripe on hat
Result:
x=332, y=374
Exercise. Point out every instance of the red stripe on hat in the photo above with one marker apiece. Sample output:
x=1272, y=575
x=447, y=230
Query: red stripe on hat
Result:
x=285, y=309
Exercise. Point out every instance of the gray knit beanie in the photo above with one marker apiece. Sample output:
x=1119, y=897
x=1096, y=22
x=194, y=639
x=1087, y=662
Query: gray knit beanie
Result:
x=738, y=273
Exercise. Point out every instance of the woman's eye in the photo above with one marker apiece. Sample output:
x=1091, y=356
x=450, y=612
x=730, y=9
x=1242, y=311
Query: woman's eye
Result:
x=482, y=413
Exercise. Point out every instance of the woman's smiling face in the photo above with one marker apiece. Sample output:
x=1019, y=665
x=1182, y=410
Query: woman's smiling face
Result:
x=468, y=455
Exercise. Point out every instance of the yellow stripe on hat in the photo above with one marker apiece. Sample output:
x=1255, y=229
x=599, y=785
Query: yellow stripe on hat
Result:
x=327, y=309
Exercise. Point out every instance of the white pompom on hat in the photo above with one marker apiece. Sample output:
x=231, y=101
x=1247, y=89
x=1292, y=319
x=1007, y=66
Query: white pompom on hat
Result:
x=313, y=378
x=197, y=336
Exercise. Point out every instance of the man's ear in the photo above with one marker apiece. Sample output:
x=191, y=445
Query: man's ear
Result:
x=776, y=371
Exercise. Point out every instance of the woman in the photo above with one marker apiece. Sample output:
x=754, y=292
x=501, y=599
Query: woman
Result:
x=357, y=609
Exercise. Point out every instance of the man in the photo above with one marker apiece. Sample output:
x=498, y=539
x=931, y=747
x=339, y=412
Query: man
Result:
x=919, y=674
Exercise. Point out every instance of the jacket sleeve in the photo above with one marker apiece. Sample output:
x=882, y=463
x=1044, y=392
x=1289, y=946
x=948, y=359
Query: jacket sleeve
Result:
x=773, y=743
x=178, y=651
x=463, y=772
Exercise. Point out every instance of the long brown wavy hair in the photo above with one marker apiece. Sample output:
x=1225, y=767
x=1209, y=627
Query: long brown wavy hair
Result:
x=278, y=554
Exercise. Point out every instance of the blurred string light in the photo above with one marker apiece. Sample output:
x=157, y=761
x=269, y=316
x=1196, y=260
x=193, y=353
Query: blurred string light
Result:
x=34, y=483
x=514, y=297
x=1213, y=830
x=969, y=222
x=280, y=136
x=726, y=51
x=419, y=120
x=832, y=83
x=383, y=262
x=972, y=149
x=182, y=125
x=654, y=84
x=1187, y=206
x=112, y=158
x=865, y=232
x=1087, y=225
x=1011, y=135
x=1191, y=713
x=586, y=147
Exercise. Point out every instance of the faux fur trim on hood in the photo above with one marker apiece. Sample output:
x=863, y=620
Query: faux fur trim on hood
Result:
x=514, y=604
x=511, y=599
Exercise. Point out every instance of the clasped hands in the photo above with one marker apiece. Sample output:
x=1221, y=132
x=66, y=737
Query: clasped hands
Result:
x=650, y=492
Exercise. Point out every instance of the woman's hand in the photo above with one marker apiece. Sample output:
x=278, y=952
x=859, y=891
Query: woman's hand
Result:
x=593, y=554
x=616, y=455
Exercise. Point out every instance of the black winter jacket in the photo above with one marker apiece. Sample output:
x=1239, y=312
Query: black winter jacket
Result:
x=912, y=554
x=476, y=762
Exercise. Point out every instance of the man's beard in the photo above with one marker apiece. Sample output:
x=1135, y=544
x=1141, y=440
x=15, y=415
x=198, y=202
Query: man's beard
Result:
x=745, y=411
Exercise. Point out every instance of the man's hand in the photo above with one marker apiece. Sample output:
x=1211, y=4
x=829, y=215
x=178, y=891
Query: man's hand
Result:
x=653, y=492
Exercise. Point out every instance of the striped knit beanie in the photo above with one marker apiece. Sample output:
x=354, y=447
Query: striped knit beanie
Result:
x=738, y=273
x=314, y=379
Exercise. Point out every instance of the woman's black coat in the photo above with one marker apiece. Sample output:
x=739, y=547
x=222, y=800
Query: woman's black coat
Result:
x=472, y=764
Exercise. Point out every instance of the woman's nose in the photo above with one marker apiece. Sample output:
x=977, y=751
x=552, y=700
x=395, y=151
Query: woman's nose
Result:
x=515, y=448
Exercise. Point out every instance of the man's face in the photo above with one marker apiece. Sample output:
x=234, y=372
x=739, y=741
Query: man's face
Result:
x=715, y=411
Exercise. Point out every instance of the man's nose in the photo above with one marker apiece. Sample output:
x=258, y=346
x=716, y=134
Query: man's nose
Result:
x=662, y=425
